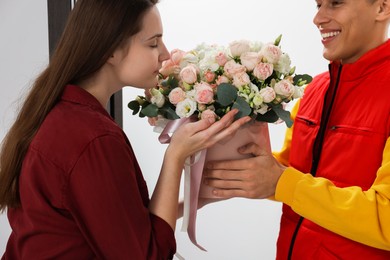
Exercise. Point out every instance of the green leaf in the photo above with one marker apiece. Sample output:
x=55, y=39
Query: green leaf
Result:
x=277, y=40
x=269, y=117
x=283, y=114
x=169, y=113
x=302, y=78
x=243, y=107
x=134, y=105
x=226, y=94
x=150, y=110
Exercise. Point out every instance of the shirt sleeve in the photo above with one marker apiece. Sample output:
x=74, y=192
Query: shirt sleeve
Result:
x=359, y=215
x=104, y=197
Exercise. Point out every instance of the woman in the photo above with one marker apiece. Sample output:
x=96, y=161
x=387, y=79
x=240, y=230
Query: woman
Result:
x=69, y=178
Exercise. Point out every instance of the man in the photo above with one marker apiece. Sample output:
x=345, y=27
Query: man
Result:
x=333, y=173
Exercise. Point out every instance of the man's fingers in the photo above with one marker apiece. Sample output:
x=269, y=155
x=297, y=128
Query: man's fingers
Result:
x=230, y=193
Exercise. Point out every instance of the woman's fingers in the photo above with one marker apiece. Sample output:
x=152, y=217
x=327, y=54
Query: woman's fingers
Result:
x=202, y=134
x=222, y=132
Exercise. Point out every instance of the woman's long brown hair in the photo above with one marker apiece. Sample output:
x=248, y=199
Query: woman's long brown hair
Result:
x=95, y=28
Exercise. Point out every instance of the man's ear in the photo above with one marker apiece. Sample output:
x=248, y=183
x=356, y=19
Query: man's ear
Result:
x=384, y=10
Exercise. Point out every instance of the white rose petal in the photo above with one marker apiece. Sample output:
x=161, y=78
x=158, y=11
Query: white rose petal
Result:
x=186, y=108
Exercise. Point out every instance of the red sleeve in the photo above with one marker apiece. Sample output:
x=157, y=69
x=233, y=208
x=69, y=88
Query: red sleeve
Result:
x=108, y=204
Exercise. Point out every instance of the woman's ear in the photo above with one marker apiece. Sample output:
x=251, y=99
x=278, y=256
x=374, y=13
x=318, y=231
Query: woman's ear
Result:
x=112, y=60
x=116, y=57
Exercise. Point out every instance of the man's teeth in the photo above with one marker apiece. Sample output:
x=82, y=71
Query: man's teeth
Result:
x=329, y=34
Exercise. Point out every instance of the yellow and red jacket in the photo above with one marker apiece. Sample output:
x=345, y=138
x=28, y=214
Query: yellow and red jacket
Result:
x=336, y=190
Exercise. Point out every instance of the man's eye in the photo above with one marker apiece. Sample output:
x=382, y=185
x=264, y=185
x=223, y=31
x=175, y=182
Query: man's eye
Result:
x=336, y=3
x=318, y=4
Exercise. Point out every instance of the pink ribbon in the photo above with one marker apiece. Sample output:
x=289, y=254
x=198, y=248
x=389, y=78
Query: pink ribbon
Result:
x=193, y=177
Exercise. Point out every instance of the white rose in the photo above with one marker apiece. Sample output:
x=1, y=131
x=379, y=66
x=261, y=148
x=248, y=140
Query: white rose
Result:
x=263, y=109
x=157, y=98
x=257, y=99
x=298, y=92
x=186, y=108
x=256, y=46
x=253, y=87
x=239, y=47
x=284, y=64
x=208, y=62
x=191, y=94
x=188, y=58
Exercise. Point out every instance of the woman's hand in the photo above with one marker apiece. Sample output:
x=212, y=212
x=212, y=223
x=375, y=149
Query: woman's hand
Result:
x=193, y=137
x=187, y=140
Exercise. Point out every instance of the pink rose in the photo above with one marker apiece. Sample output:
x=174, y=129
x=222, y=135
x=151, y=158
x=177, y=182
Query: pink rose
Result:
x=209, y=76
x=271, y=53
x=268, y=94
x=172, y=66
x=208, y=114
x=168, y=68
x=177, y=55
x=176, y=95
x=250, y=60
x=222, y=79
x=189, y=74
x=263, y=70
x=241, y=79
x=284, y=88
x=221, y=58
x=204, y=93
x=232, y=68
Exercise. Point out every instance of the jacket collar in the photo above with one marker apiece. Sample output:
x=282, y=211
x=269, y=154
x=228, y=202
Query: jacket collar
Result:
x=367, y=64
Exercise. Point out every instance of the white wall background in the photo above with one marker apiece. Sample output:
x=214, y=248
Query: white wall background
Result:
x=230, y=230
x=24, y=53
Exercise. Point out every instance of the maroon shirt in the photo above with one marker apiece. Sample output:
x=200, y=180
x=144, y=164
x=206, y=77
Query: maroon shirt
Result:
x=82, y=192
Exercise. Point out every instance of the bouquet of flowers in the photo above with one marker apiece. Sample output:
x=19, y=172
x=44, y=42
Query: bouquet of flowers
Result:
x=210, y=80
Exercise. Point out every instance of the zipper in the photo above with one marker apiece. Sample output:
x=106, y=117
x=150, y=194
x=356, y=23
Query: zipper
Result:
x=318, y=143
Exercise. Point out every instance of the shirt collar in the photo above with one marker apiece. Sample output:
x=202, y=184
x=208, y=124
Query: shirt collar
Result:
x=78, y=95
